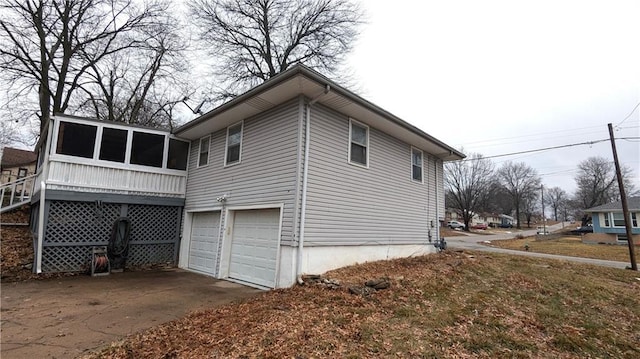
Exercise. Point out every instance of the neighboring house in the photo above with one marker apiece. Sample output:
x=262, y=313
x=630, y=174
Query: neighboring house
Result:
x=608, y=223
x=16, y=164
x=491, y=219
x=17, y=168
x=296, y=176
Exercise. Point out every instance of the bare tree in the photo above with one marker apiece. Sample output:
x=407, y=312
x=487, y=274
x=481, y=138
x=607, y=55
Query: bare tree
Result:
x=597, y=183
x=519, y=180
x=530, y=206
x=556, y=198
x=140, y=84
x=47, y=46
x=468, y=184
x=254, y=40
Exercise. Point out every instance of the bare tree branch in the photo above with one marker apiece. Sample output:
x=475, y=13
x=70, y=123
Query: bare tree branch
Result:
x=254, y=40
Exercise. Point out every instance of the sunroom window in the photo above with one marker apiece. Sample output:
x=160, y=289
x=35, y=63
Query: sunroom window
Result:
x=147, y=149
x=114, y=144
x=75, y=139
x=178, y=154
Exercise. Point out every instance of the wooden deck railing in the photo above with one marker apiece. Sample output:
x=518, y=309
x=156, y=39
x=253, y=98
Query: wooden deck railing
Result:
x=16, y=193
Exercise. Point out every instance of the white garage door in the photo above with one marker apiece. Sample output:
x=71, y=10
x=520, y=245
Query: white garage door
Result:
x=203, y=248
x=254, y=246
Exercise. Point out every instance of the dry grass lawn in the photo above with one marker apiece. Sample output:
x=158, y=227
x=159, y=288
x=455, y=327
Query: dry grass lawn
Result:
x=447, y=305
x=568, y=246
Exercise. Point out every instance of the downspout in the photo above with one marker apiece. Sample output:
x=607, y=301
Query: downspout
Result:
x=435, y=166
x=305, y=174
x=41, y=206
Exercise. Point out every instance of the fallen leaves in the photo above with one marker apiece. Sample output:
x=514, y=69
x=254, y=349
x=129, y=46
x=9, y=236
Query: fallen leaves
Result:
x=444, y=305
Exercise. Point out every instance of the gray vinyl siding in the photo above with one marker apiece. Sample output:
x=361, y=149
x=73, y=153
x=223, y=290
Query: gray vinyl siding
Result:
x=352, y=205
x=266, y=173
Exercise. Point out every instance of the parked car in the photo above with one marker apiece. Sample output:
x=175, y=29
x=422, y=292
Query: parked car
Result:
x=505, y=225
x=455, y=225
x=542, y=230
x=479, y=226
x=583, y=229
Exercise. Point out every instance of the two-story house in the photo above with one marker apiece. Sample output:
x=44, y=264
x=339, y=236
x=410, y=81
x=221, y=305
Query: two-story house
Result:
x=296, y=176
x=300, y=175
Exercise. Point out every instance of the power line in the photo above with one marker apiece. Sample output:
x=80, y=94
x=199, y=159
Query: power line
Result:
x=541, y=149
x=629, y=115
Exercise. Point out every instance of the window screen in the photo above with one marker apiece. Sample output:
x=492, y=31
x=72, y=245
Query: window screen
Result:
x=203, y=157
x=234, y=142
x=75, y=139
x=416, y=164
x=147, y=149
x=178, y=154
x=113, y=145
x=359, y=143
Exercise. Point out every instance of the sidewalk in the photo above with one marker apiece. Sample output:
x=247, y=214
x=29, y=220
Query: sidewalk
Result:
x=473, y=242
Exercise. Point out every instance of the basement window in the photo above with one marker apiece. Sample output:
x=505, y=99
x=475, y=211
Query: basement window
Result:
x=75, y=139
x=147, y=149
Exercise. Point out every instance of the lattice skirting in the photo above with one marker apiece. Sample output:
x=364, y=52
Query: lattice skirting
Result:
x=73, y=228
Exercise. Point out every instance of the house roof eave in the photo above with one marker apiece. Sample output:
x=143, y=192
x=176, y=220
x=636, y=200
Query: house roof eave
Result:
x=302, y=81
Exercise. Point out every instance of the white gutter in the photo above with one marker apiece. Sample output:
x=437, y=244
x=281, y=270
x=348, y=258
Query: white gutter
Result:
x=305, y=174
x=41, y=206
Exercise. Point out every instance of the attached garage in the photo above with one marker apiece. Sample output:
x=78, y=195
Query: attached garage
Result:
x=203, y=247
x=254, y=246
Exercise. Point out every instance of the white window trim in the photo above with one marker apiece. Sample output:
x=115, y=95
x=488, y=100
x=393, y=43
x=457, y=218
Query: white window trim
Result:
x=200, y=151
x=360, y=124
x=421, y=165
x=613, y=222
x=606, y=220
x=226, y=144
x=96, y=161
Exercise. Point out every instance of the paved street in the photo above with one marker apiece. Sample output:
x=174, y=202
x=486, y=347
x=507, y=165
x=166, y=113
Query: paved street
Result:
x=473, y=242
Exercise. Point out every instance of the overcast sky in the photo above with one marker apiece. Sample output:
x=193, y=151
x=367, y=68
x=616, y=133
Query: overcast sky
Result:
x=498, y=77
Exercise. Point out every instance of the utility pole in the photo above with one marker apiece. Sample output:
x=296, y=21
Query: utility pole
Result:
x=544, y=219
x=625, y=207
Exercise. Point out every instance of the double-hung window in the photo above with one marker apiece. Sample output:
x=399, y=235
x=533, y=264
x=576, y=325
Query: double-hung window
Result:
x=618, y=219
x=416, y=165
x=634, y=220
x=607, y=222
x=359, y=144
x=203, y=152
x=234, y=144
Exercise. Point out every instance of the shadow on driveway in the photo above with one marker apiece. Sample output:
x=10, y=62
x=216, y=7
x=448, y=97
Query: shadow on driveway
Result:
x=68, y=317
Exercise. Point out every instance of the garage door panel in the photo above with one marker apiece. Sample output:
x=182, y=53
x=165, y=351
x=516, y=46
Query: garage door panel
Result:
x=254, y=247
x=203, y=247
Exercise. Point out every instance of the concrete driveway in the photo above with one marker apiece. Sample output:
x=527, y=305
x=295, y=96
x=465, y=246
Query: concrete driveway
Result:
x=68, y=317
x=474, y=242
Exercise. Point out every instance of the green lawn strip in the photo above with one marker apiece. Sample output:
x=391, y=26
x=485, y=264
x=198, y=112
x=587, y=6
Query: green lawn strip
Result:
x=567, y=246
